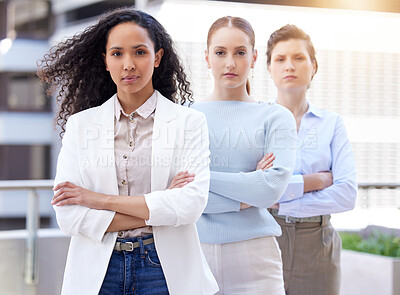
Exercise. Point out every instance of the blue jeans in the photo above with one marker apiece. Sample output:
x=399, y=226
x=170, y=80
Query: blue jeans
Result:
x=136, y=272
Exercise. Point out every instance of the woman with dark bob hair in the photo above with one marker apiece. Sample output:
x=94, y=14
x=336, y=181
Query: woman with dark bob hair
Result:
x=324, y=178
x=133, y=171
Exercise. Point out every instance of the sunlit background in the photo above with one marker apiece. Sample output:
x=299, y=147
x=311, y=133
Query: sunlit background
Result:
x=358, y=52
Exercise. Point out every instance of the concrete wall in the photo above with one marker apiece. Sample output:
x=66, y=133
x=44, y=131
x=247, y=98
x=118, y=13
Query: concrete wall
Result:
x=52, y=253
x=369, y=274
x=361, y=273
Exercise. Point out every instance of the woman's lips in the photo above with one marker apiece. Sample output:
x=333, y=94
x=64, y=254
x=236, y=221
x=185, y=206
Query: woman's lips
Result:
x=230, y=75
x=290, y=77
x=131, y=78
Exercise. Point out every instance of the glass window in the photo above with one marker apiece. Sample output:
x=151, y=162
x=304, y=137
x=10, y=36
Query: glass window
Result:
x=30, y=19
x=20, y=162
x=3, y=20
x=24, y=92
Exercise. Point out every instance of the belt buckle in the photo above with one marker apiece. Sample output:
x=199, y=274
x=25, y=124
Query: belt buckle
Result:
x=130, y=244
x=290, y=219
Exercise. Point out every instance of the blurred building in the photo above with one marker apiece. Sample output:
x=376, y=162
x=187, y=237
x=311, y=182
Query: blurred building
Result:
x=25, y=110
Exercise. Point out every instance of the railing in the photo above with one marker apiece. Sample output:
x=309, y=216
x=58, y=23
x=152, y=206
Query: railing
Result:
x=32, y=221
x=32, y=216
x=367, y=187
x=378, y=185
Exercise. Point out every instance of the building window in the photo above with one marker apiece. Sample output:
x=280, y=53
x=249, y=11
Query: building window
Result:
x=23, y=92
x=30, y=19
x=3, y=20
x=95, y=9
x=19, y=162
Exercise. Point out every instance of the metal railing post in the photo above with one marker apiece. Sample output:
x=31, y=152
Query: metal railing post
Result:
x=31, y=251
x=31, y=268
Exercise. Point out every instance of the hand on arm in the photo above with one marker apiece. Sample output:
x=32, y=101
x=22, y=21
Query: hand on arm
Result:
x=261, y=188
x=265, y=163
x=126, y=222
x=71, y=194
x=181, y=179
x=317, y=181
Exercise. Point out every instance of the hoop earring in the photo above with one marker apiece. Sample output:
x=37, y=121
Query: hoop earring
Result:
x=252, y=73
x=208, y=74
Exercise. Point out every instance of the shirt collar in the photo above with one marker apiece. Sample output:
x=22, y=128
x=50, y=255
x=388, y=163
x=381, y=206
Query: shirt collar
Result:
x=145, y=110
x=314, y=110
x=311, y=109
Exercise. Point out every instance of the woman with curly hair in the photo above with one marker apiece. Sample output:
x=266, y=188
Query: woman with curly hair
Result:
x=124, y=140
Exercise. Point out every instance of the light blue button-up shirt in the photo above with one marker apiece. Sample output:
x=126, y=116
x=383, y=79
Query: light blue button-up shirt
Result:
x=322, y=145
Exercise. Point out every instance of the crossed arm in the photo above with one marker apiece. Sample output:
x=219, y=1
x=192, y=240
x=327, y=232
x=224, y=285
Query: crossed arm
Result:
x=314, y=182
x=131, y=212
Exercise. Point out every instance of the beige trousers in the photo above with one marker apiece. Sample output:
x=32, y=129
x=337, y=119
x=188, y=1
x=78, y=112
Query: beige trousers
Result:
x=252, y=267
x=311, y=257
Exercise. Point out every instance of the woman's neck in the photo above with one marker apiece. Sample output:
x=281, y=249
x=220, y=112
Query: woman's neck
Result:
x=295, y=102
x=233, y=94
x=130, y=102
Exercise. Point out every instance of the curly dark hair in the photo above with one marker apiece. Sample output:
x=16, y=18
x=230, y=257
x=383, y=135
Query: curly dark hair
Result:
x=76, y=66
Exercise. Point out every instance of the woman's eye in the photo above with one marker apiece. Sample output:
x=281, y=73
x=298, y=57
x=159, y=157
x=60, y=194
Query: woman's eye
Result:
x=241, y=53
x=116, y=53
x=140, y=52
x=299, y=58
x=219, y=53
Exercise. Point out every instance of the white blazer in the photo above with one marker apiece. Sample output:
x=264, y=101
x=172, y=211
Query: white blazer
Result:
x=180, y=142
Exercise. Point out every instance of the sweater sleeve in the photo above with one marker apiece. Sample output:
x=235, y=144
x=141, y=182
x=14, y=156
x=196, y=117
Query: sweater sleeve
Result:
x=263, y=188
x=220, y=204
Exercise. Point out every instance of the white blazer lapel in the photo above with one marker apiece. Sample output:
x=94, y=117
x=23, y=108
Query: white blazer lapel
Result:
x=163, y=144
x=104, y=147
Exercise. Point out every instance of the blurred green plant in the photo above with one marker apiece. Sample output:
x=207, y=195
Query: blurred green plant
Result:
x=377, y=243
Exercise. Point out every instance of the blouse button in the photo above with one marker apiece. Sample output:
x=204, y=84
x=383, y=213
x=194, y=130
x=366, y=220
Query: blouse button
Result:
x=131, y=143
x=124, y=182
x=125, y=157
x=120, y=234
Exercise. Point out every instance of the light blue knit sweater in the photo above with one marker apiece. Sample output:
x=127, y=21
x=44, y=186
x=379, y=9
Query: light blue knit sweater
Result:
x=241, y=133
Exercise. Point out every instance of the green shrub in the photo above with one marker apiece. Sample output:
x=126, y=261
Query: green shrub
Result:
x=377, y=243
